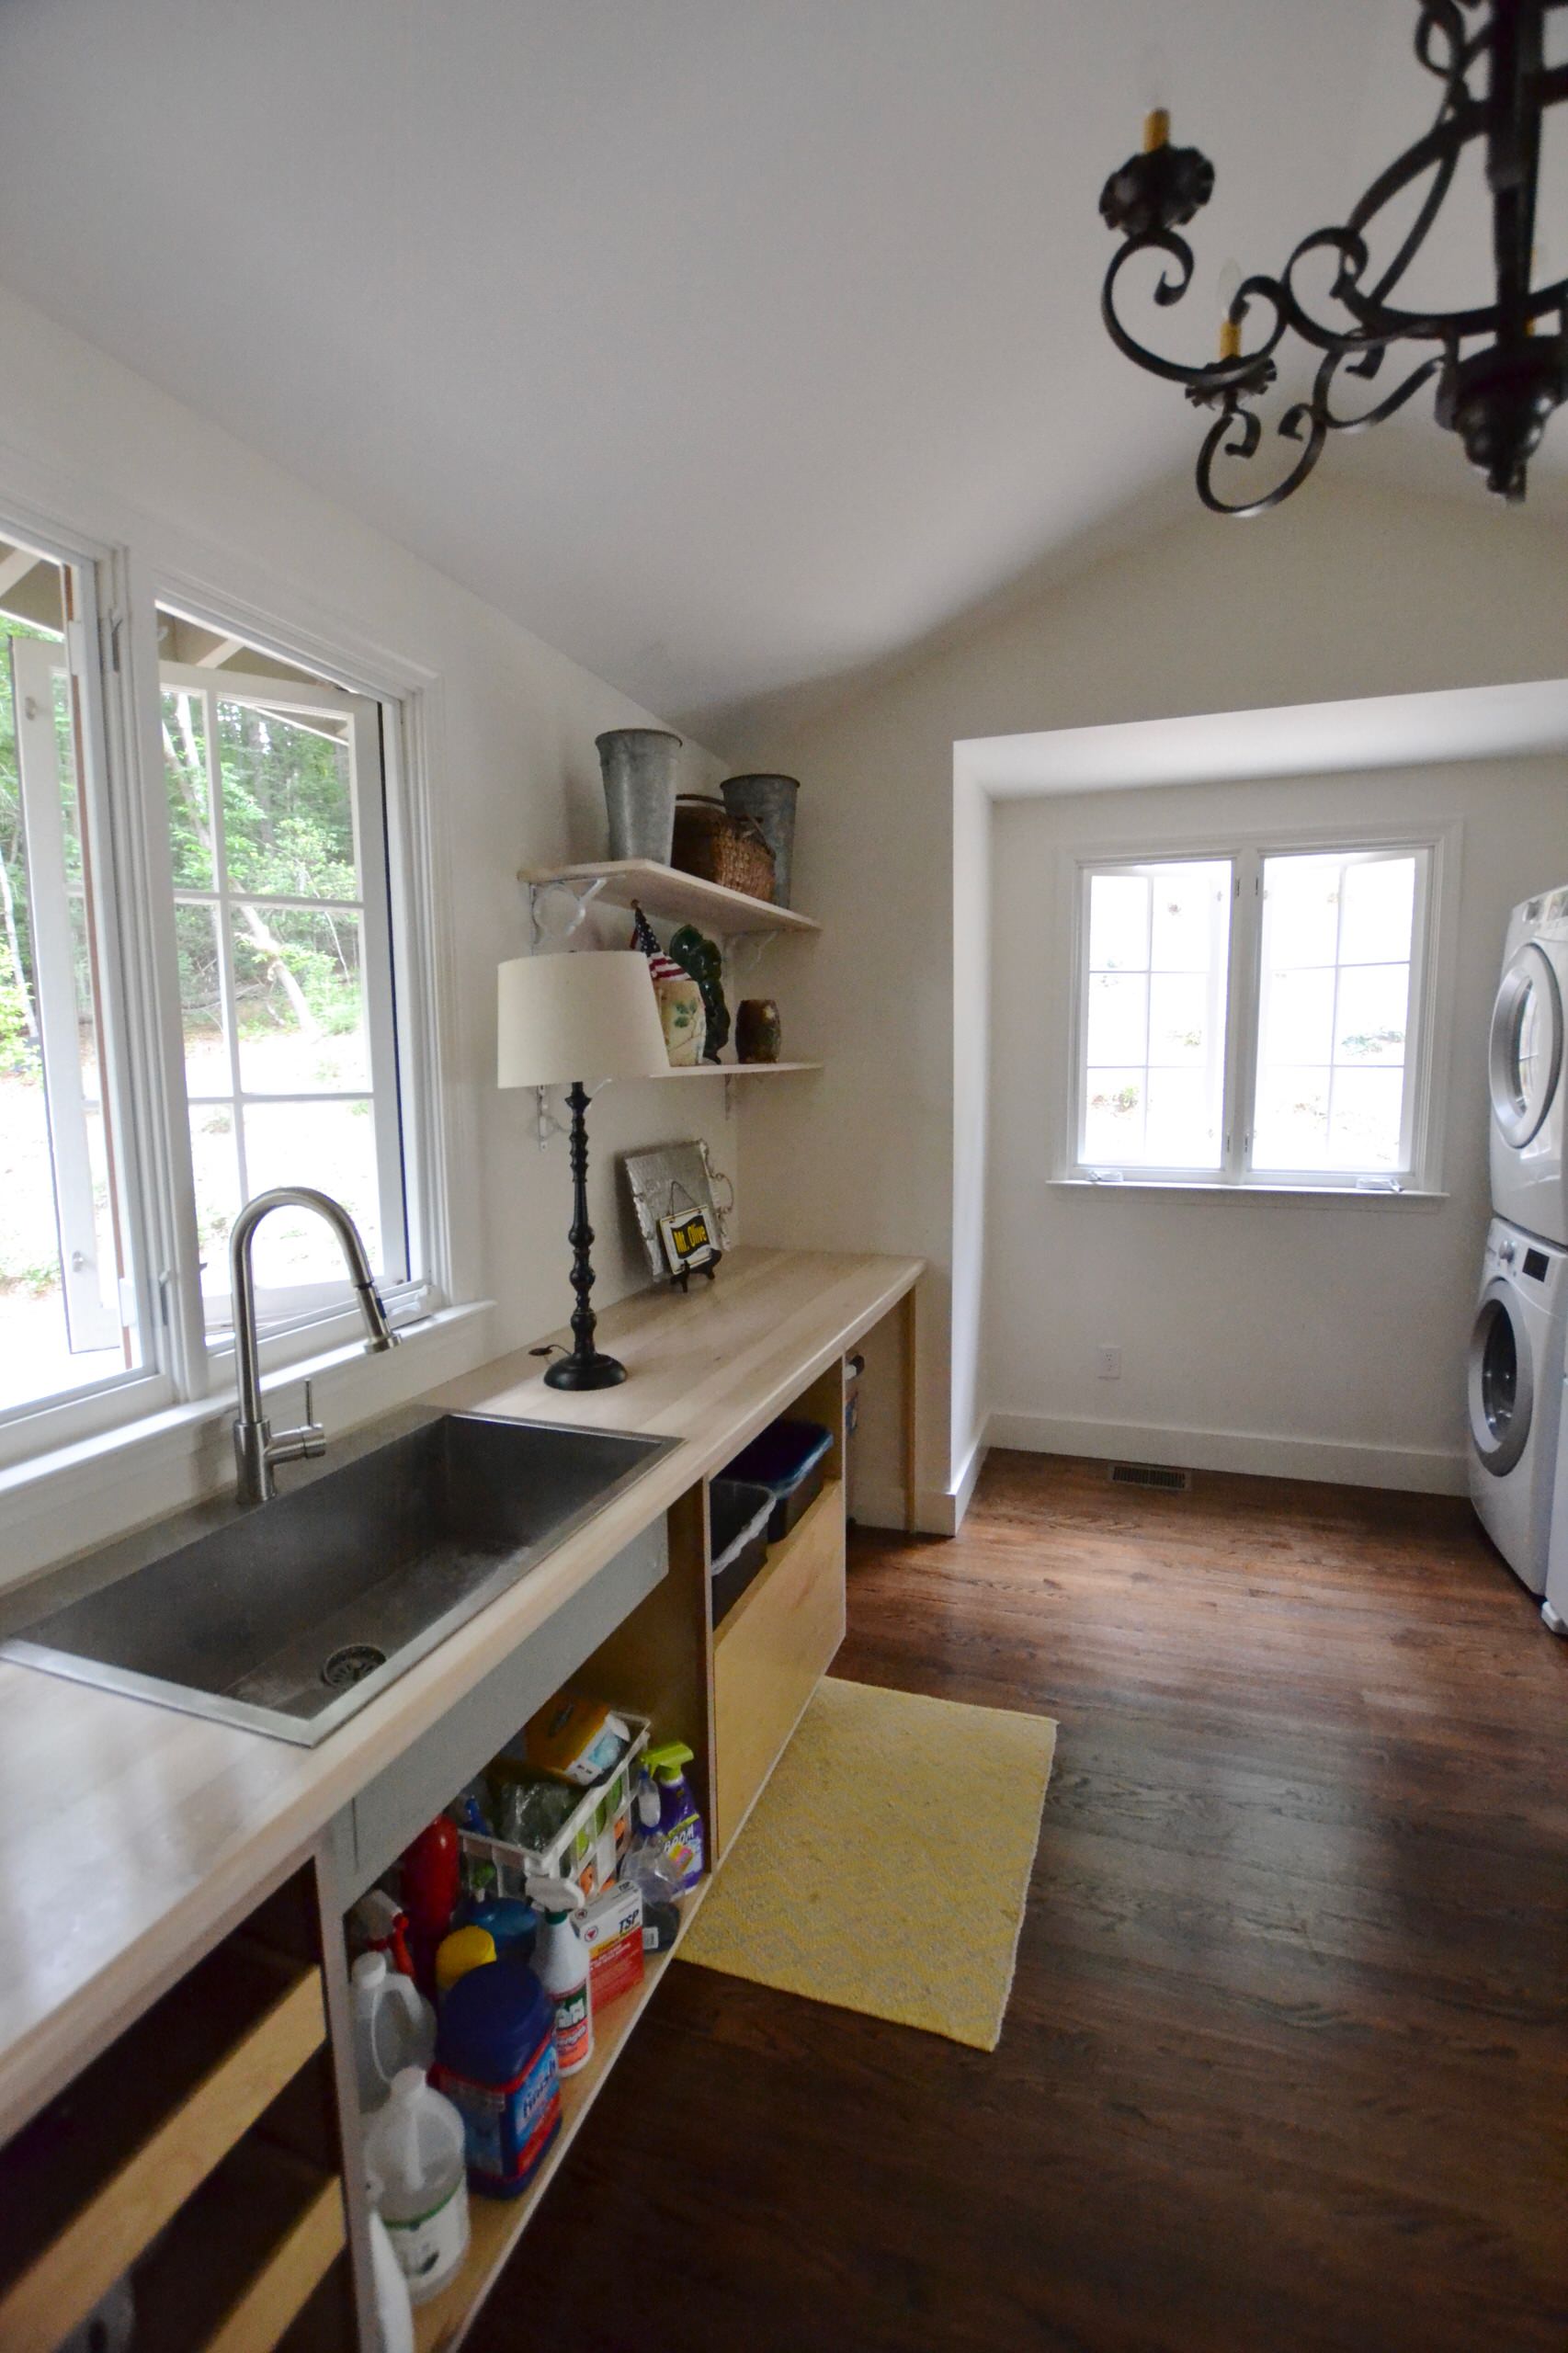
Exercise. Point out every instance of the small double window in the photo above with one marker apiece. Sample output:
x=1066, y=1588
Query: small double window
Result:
x=1259, y=1016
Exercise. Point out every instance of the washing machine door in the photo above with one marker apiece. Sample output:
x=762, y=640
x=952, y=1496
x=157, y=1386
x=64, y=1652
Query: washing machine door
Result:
x=1502, y=1380
x=1525, y=1059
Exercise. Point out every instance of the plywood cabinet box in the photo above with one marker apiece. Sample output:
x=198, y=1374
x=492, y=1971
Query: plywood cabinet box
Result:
x=214, y=2145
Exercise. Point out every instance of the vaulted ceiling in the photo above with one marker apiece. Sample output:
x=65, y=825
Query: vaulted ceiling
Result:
x=729, y=344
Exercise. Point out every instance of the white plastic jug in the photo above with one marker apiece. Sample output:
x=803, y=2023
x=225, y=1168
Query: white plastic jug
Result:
x=414, y=2146
x=394, y=2314
x=394, y=2028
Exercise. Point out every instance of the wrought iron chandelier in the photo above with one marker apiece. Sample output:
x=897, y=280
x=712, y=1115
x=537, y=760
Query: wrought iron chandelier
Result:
x=1500, y=369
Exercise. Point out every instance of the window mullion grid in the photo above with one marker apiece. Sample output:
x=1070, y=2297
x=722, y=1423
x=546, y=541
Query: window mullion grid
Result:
x=1333, y=1011
x=1244, y=995
x=1221, y=924
x=302, y=905
x=365, y=759
x=1086, y=984
x=228, y=990
x=1414, y=1076
x=316, y=1095
x=1148, y=1000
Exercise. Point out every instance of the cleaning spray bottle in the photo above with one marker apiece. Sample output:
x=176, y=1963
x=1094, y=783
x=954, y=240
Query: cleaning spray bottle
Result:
x=679, y=1832
x=560, y=1964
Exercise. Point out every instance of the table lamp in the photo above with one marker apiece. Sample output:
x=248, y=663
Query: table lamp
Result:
x=563, y=1018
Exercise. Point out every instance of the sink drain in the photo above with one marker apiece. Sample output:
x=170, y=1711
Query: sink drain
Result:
x=351, y=1665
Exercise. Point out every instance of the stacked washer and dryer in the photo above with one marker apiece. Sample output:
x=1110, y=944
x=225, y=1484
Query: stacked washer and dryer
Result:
x=1519, y=1349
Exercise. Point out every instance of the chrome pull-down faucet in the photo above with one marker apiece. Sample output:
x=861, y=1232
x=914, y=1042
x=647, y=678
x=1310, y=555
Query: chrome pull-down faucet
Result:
x=256, y=1447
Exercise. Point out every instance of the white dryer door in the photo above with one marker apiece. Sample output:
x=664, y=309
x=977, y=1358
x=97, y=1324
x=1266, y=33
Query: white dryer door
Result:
x=1525, y=1058
x=1502, y=1380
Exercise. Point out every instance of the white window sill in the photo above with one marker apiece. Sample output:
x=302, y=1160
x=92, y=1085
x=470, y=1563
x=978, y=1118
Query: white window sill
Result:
x=1409, y=1197
x=88, y=1493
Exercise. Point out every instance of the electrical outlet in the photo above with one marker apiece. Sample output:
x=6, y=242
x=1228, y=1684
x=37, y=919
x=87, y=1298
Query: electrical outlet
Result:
x=1107, y=1364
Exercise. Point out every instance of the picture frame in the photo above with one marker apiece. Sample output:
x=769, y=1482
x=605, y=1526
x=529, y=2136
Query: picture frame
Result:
x=674, y=1190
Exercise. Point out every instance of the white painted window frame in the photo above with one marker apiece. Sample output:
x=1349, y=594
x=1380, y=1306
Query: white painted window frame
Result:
x=1086, y=869
x=362, y=718
x=95, y=1316
x=1436, y=850
x=146, y=1389
x=413, y=868
x=123, y=785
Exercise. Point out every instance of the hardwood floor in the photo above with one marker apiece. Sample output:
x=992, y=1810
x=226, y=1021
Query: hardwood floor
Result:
x=1286, y=2065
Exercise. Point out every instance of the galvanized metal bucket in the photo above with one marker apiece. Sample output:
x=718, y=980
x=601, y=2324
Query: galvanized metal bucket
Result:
x=770, y=801
x=639, y=766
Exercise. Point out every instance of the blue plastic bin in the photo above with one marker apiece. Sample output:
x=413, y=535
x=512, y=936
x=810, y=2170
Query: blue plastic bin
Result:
x=790, y=1457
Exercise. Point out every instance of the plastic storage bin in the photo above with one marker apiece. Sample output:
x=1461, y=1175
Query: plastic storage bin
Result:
x=587, y=1847
x=738, y=1514
x=790, y=1460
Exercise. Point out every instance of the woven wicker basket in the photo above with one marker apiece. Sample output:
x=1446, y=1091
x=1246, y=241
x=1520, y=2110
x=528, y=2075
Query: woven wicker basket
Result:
x=719, y=847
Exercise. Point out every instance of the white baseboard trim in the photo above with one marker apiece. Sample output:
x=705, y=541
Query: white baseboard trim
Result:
x=963, y=1491
x=876, y=1503
x=1427, y=1470
x=938, y=1511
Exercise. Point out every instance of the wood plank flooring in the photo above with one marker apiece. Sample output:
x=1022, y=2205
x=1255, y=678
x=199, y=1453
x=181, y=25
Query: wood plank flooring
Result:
x=1285, y=2066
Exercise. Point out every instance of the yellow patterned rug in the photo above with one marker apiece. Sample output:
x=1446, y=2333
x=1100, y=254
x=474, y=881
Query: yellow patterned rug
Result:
x=886, y=1865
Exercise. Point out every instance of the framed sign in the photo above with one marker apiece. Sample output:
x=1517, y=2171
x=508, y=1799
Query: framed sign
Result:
x=687, y=1242
x=672, y=1189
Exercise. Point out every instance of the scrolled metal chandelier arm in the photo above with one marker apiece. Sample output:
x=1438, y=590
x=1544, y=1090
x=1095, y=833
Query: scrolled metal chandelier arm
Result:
x=1498, y=399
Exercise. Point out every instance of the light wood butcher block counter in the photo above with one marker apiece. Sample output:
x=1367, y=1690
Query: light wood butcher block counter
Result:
x=132, y=1837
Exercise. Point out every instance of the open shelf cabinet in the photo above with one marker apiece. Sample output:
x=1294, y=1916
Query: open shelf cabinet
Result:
x=201, y=2155
x=497, y=2223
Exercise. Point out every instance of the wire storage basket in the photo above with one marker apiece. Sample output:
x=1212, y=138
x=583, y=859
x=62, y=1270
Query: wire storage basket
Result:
x=586, y=1848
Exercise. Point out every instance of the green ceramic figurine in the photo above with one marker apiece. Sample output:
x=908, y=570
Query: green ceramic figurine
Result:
x=703, y=959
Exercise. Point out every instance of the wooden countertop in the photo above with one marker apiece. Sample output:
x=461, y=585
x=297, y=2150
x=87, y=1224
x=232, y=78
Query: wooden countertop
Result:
x=132, y=1837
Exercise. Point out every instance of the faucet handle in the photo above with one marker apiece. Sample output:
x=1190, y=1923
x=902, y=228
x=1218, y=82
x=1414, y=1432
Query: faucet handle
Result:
x=304, y=1443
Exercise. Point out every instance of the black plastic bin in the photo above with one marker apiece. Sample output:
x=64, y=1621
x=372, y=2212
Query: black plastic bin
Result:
x=738, y=1512
x=790, y=1457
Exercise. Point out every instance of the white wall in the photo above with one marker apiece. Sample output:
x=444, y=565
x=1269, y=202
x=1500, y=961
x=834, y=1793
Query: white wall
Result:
x=515, y=779
x=1347, y=591
x=1323, y=1339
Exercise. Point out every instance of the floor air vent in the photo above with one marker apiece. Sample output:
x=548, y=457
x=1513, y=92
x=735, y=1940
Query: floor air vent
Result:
x=1150, y=1474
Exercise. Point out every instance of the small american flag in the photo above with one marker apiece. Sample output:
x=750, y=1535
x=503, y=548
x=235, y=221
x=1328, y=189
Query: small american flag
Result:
x=661, y=967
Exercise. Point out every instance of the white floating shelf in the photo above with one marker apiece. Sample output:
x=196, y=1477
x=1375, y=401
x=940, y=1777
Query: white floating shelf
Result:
x=733, y=1070
x=674, y=897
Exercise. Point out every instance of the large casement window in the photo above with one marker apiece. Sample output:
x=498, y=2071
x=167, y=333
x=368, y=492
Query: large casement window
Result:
x=282, y=925
x=74, y=1288
x=1260, y=1017
x=254, y=893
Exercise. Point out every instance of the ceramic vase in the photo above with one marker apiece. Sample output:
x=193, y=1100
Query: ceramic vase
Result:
x=758, y=1034
x=685, y=1021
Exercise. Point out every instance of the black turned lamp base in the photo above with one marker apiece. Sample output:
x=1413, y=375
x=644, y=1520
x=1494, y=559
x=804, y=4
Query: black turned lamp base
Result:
x=583, y=1366
x=593, y=1371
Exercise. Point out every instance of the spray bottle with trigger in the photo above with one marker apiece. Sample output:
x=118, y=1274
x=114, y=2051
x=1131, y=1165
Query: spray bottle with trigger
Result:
x=560, y=1964
x=678, y=1835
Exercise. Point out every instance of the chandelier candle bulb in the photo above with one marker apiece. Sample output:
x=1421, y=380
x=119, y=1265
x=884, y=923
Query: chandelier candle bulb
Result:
x=1230, y=339
x=1156, y=129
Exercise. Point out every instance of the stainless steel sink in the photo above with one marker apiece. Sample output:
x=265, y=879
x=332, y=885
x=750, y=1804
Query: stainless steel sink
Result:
x=288, y=1617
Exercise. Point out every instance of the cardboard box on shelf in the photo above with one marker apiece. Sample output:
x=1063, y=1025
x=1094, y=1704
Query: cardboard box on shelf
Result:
x=611, y=1928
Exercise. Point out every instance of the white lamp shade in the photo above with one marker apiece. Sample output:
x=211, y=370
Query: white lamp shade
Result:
x=588, y=1014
